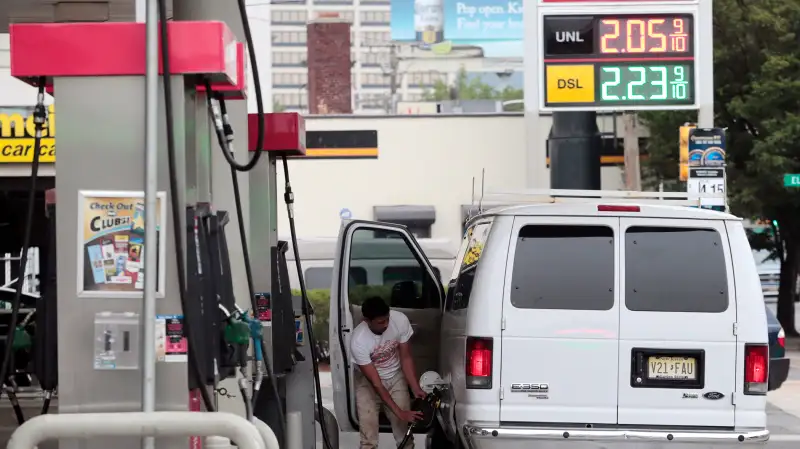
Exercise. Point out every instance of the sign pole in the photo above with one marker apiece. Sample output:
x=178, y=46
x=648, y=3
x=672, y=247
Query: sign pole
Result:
x=574, y=144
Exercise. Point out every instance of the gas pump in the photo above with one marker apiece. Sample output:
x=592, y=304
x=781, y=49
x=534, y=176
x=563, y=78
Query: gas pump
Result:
x=189, y=280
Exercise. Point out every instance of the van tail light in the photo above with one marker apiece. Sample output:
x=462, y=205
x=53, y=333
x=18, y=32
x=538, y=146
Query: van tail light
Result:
x=756, y=369
x=782, y=338
x=612, y=208
x=479, y=362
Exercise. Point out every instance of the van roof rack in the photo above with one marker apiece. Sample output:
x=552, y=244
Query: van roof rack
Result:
x=534, y=196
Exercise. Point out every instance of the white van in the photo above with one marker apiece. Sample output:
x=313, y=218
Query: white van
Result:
x=591, y=320
x=377, y=260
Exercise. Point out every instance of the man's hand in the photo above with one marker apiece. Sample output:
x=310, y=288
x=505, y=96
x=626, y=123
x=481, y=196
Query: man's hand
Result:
x=409, y=416
x=418, y=392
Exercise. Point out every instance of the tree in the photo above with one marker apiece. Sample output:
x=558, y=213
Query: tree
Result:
x=465, y=88
x=277, y=106
x=757, y=98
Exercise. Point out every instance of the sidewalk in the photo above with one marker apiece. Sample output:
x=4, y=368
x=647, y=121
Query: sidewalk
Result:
x=787, y=397
x=793, y=344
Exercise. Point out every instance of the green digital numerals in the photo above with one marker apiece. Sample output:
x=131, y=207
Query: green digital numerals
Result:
x=646, y=83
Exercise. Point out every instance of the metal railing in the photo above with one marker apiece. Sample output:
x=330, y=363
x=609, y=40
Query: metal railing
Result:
x=141, y=424
x=510, y=197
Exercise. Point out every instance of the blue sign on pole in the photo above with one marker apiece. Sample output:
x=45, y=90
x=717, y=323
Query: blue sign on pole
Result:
x=345, y=214
x=706, y=147
x=706, y=150
x=494, y=26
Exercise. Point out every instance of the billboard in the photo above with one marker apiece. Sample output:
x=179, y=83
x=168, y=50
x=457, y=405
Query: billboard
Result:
x=445, y=26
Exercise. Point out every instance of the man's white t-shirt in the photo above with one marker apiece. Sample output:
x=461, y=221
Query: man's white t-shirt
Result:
x=382, y=351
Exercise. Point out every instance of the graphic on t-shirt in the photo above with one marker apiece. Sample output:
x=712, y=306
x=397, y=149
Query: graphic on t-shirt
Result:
x=383, y=354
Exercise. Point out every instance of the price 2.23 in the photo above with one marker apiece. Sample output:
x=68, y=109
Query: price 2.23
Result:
x=662, y=83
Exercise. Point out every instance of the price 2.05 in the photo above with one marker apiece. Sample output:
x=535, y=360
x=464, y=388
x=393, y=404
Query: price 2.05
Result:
x=644, y=35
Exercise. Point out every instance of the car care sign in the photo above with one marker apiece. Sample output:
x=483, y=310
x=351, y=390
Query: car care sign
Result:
x=113, y=245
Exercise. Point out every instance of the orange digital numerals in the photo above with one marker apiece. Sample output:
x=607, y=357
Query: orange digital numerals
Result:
x=644, y=36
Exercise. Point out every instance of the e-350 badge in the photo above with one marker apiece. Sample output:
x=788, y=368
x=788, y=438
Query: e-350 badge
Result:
x=534, y=390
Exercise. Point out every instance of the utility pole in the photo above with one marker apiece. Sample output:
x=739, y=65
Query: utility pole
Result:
x=633, y=172
x=394, y=66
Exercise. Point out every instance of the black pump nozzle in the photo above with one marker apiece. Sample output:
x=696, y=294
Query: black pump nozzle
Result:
x=427, y=406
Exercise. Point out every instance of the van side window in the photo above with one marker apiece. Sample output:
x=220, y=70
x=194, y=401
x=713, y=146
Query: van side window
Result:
x=322, y=277
x=675, y=270
x=476, y=237
x=563, y=268
x=397, y=275
x=451, y=284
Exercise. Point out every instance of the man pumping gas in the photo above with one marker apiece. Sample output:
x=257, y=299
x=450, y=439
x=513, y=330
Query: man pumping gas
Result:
x=385, y=371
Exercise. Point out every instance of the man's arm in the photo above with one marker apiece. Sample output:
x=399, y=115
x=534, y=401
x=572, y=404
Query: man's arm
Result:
x=406, y=361
x=372, y=376
x=409, y=371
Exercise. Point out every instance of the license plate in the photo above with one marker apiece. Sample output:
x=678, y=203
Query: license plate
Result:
x=671, y=368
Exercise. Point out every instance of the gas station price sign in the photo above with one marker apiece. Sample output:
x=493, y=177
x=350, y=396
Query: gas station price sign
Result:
x=618, y=61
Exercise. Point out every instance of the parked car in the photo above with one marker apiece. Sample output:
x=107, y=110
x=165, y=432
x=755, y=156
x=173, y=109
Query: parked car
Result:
x=769, y=273
x=579, y=320
x=778, y=362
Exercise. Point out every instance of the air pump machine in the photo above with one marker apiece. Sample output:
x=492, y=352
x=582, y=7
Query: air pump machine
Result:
x=199, y=334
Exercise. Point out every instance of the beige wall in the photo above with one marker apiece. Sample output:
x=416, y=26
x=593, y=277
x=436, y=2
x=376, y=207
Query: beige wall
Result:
x=428, y=160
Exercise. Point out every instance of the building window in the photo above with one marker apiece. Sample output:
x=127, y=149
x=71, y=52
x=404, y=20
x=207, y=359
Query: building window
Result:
x=372, y=100
x=289, y=38
x=373, y=59
x=373, y=38
x=418, y=219
x=333, y=2
x=289, y=100
x=289, y=17
x=374, y=18
x=289, y=80
x=347, y=16
x=289, y=58
x=424, y=79
x=374, y=80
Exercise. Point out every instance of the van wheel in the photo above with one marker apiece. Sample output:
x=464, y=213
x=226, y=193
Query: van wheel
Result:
x=437, y=439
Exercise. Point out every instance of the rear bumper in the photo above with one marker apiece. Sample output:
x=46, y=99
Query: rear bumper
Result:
x=778, y=372
x=513, y=437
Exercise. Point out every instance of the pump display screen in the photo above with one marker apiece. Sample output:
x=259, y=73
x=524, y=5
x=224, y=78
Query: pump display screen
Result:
x=640, y=35
x=633, y=83
x=620, y=61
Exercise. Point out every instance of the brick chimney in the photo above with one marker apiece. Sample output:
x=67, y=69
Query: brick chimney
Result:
x=329, y=67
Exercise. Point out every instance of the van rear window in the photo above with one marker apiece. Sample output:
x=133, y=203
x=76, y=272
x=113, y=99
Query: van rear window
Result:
x=564, y=267
x=675, y=270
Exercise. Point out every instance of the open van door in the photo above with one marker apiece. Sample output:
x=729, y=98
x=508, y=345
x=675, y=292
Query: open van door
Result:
x=415, y=291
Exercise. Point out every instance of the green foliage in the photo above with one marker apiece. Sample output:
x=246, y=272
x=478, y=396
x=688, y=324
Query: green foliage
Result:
x=757, y=98
x=277, y=106
x=472, y=89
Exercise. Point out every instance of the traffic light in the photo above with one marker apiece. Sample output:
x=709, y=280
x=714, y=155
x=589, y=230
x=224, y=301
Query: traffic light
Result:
x=683, y=155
